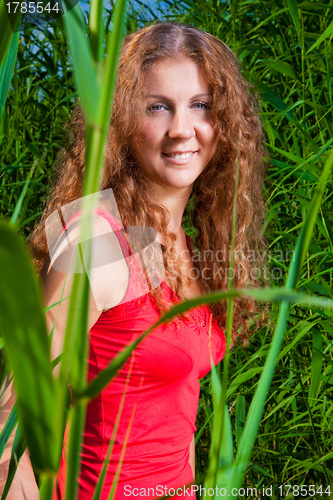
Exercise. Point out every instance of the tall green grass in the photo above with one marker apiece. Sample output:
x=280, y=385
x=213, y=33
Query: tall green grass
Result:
x=262, y=426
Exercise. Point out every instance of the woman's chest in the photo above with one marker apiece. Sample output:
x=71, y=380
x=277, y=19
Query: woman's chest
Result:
x=170, y=352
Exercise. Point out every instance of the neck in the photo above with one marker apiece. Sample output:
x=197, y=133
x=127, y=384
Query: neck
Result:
x=175, y=202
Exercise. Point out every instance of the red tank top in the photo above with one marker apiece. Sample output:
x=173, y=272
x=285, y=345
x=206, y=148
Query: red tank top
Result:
x=161, y=398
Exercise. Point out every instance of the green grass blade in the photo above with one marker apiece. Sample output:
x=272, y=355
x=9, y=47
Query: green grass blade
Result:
x=84, y=70
x=270, y=96
x=6, y=30
x=114, y=45
x=18, y=449
x=99, y=485
x=292, y=4
x=78, y=365
x=77, y=379
x=226, y=451
x=6, y=71
x=306, y=326
x=268, y=19
x=240, y=416
x=7, y=430
x=24, y=332
x=306, y=235
x=316, y=365
x=97, y=138
x=46, y=487
x=242, y=378
x=220, y=456
x=234, y=7
x=97, y=109
x=123, y=450
x=328, y=32
x=77, y=419
x=282, y=67
x=17, y=211
x=96, y=28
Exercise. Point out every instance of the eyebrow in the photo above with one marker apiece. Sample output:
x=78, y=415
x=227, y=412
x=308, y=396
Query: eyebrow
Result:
x=167, y=99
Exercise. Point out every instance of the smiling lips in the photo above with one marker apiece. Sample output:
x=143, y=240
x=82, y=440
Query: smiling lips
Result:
x=180, y=155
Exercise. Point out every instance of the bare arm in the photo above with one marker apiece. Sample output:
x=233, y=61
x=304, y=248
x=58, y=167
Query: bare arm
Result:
x=24, y=471
x=192, y=456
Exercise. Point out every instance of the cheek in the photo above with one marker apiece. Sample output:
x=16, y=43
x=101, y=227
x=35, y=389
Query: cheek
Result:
x=143, y=143
x=210, y=137
x=207, y=131
x=151, y=132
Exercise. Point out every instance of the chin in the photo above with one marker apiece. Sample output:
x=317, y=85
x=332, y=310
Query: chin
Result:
x=181, y=183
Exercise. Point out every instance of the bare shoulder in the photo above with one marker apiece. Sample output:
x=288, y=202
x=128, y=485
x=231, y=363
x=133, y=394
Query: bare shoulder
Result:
x=107, y=270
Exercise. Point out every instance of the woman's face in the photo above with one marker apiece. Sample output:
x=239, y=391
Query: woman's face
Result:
x=177, y=138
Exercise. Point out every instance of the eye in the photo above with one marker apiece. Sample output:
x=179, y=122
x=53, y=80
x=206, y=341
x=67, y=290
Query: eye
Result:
x=155, y=107
x=201, y=105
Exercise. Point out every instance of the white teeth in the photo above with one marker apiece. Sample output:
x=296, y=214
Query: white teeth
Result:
x=180, y=157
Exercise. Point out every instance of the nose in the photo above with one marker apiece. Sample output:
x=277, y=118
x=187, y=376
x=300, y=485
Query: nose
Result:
x=181, y=126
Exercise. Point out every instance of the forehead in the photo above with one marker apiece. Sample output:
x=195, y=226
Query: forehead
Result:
x=175, y=76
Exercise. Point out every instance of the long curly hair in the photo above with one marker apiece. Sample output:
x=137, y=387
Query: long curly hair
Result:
x=235, y=116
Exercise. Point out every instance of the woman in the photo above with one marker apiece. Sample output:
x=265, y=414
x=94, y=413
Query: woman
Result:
x=183, y=118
